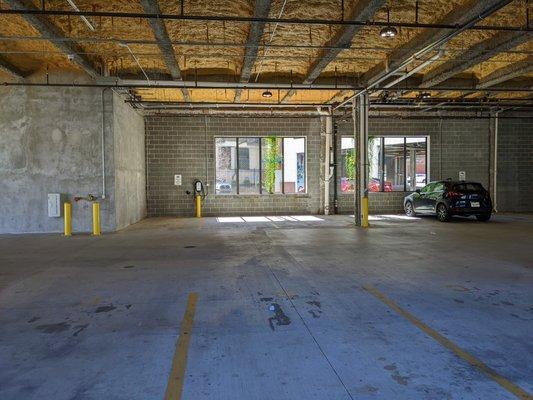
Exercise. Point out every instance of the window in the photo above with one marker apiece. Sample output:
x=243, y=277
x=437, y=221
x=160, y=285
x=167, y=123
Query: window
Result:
x=347, y=166
x=253, y=165
x=397, y=164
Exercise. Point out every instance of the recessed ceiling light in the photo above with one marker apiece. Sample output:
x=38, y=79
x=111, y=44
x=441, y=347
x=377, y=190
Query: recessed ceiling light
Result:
x=388, y=31
x=267, y=94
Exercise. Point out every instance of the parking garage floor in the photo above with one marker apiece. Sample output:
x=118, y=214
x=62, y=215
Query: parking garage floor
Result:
x=271, y=309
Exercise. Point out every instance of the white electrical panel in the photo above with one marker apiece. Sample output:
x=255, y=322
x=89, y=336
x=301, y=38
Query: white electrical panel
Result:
x=54, y=205
x=462, y=175
x=177, y=180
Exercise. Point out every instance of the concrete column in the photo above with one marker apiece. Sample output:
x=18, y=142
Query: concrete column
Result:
x=360, y=108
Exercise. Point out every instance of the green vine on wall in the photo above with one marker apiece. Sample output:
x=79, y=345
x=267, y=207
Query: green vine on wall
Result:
x=271, y=162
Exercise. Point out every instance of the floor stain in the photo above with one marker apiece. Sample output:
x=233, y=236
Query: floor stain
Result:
x=458, y=301
x=53, y=328
x=128, y=266
x=128, y=306
x=315, y=303
x=79, y=329
x=107, y=308
x=266, y=298
x=33, y=319
x=315, y=313
x=507, y=303
x=402, y=380
x=279, y=317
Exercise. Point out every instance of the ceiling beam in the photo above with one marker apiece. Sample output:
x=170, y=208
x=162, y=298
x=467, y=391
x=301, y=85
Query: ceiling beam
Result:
x=46, y=28
x=261, y=10
x=507, y=73
x=474, y=55
x=458, y=16
x=164, y=43
x=364, y=10
x=8, y=68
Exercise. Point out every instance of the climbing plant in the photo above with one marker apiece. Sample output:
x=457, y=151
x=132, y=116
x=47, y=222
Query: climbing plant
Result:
x=271, y=162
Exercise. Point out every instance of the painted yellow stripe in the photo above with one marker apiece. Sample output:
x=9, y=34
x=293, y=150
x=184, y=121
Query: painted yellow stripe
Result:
x=179, y=363
x=503, y=382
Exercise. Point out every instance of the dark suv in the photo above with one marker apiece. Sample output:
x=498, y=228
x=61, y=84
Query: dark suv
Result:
x=447, y=198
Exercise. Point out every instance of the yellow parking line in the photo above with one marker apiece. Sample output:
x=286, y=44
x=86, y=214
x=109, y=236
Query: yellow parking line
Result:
x=503, y=382
x=179, y=362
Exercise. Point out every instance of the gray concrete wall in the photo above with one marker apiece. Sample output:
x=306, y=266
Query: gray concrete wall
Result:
x=185, y=145
x=455, y=145
x=130, y=171
x=50, y=142
x=515, y=164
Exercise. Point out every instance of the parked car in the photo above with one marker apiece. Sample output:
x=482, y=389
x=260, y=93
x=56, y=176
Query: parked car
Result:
x=375, y=185
x=448, y=198
x=223, y=187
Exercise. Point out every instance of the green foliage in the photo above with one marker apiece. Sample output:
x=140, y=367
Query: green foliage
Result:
x=271, y=162
x=349, y=164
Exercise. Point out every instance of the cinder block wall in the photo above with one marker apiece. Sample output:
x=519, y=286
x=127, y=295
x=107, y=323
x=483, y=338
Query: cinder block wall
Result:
x=455, y=145
x=185, y=145
x=515, y=164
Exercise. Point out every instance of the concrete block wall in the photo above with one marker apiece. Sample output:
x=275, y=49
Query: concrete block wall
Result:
x=50, y=142
x=454, y=145
x=185, y=145
x=515, y=164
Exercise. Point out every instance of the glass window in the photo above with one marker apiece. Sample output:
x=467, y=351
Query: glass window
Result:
x=294, y=165
x=226, y=166
x=253, y=165
x=393, y=166
x=374, y=164
x=415, y=162
x=249, y=169
x=272, y=164
x=347, y=166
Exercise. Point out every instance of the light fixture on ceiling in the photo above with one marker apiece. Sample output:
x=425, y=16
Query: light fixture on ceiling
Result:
x=388, y=31
x=267, y=94
x=424, y=95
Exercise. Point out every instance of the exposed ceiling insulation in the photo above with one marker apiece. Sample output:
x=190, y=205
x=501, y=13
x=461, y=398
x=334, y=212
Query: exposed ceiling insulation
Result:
x=213, y=48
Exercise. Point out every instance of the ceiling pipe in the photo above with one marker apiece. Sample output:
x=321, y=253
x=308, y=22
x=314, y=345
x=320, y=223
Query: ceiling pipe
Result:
x=427, y=49
x=235, y=18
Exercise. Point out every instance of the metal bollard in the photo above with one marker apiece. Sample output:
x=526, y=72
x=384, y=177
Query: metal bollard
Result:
x=364, y=219
x=198, y=206
x=96, y=219
x=67, y=211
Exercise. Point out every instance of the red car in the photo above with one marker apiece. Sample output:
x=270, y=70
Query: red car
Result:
x=375, y=185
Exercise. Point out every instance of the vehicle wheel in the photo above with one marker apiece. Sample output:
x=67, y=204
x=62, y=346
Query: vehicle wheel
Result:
x=483, y=217
x=443, y=215
x=409, y=209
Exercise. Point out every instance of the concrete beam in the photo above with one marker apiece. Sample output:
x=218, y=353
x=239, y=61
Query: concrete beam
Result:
x=48, y=29
x=164, y=43
x=10, y=69
x=261, y=10
x=459, y=15
x=474, y=55
x=507, y=73
x=363, y=11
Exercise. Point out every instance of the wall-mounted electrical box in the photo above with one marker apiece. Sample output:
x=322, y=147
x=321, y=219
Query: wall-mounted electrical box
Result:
x=54, y=205
x=462, y=175
x=177, y=180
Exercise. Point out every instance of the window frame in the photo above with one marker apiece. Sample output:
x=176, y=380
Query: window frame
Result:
x=381, y=159
x=261, y=191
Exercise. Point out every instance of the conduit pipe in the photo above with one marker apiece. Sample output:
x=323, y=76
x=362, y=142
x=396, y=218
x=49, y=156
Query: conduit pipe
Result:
x=102, y=138
x=328, y=173
x=495, y=177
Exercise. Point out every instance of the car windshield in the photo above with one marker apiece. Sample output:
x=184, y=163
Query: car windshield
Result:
x=468, y=187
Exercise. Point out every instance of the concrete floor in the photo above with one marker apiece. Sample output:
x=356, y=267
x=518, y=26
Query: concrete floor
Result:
x=281, y=313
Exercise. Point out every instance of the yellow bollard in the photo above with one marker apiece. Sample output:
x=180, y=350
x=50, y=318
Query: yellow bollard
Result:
x=198, y=206
x=364, y=219
x=96, y=219
x=67, y=211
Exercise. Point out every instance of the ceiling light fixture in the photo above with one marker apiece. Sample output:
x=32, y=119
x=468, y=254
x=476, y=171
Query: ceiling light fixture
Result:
x=388, y=31
x=424, y=95
x=267, y=94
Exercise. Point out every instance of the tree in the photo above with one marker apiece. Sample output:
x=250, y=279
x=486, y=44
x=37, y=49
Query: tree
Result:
x=271, y=162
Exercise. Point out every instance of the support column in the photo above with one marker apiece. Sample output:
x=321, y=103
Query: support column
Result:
x=327, y=162
x=360, y=111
